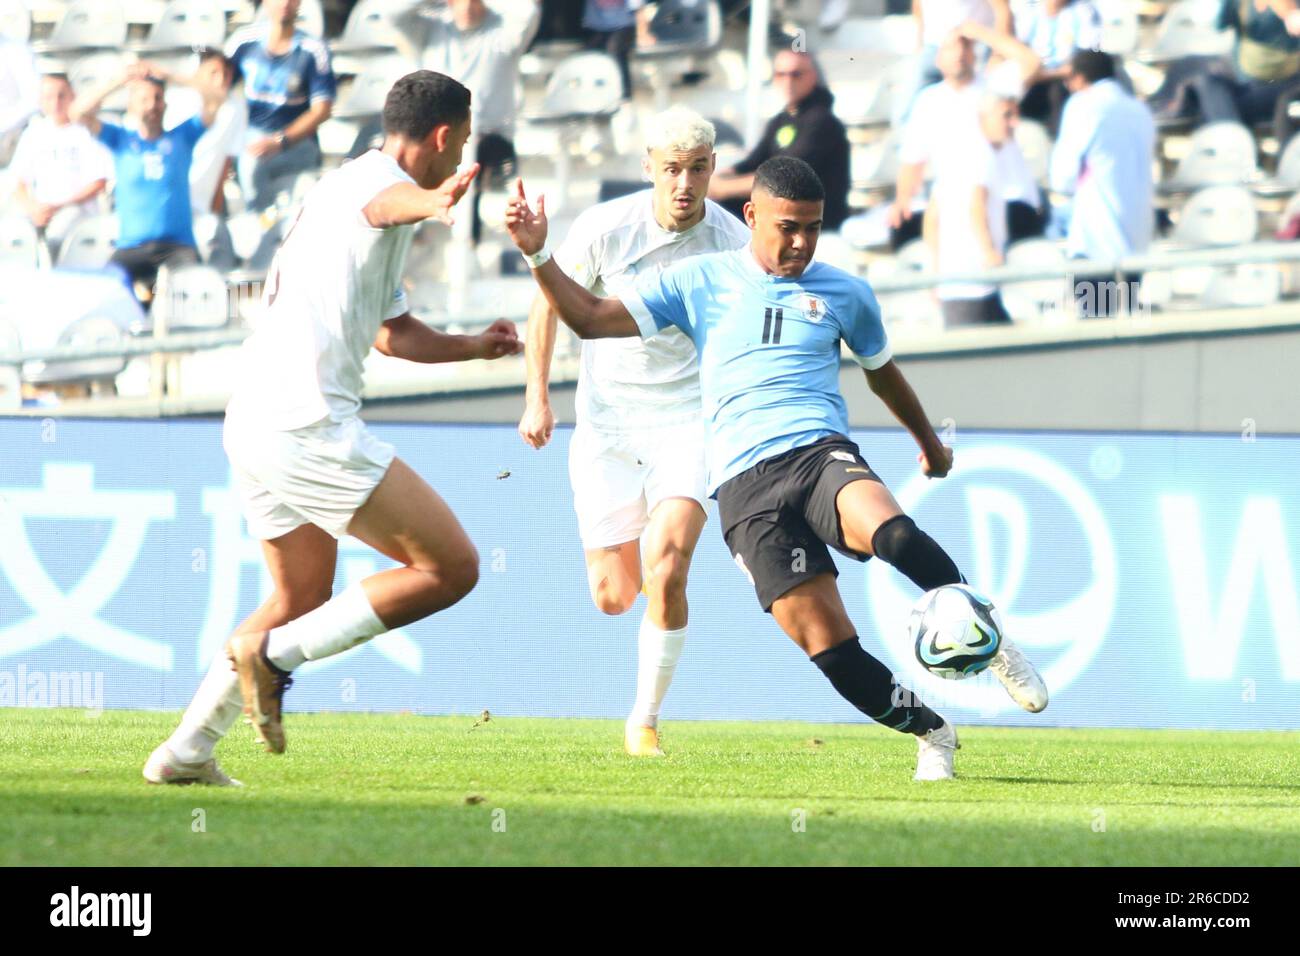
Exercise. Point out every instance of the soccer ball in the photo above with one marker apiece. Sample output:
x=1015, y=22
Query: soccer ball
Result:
x=956, y=631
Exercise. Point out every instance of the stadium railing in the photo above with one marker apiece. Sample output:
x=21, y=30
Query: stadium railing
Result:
x=163, y=348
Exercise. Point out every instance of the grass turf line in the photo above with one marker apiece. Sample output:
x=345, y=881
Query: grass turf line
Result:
x=390, y=789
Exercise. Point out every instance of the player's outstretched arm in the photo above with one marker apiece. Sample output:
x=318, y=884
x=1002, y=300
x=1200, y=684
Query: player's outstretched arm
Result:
x=538, y=421
x=889, y=385
x=406, y=203
x=406, y=337
x=590, y=316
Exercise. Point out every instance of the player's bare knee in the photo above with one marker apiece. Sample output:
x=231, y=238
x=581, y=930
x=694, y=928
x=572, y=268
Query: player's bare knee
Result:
x=613, y=600
x=666, y=578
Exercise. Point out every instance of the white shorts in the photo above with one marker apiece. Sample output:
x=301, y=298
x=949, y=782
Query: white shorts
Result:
x=619, y=477
x=320, y=475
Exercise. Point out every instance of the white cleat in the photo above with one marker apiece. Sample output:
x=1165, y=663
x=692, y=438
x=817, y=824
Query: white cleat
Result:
x=163, y=767
x=934, y=753
x=1019, y=677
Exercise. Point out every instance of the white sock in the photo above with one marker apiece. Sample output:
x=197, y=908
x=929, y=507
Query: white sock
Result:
x=658, y=652
x=342, y=622
x=214, y=708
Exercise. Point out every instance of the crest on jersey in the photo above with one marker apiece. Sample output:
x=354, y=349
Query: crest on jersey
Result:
x=842, y=456
x=814, y=308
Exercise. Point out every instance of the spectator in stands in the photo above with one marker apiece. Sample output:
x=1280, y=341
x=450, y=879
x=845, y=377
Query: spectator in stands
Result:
x=613, y=26
x=61, y=170
x=966, y=218
x=290, y=90
x=805, y=128
x=152, y=165
x=480, y=48
x=1103, y=158
x=215, y=152
x=947, y=114
x=19, y=94
x=935, y=22
x=1266, y=62
x=1055, y=29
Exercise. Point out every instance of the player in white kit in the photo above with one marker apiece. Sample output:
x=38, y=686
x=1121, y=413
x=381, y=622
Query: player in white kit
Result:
x=636, y=460
x=307, y=469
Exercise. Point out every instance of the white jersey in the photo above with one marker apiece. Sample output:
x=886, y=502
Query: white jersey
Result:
x=631, y=383
x=330, y=288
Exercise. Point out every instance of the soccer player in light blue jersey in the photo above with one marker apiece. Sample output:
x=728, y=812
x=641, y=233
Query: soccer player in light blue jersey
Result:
x=767, y=322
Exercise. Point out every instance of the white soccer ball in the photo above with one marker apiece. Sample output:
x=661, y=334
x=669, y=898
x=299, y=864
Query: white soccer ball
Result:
x=956, y=631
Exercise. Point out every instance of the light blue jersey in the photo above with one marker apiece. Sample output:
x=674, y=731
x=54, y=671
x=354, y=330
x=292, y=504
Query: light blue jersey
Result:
x=769, y=349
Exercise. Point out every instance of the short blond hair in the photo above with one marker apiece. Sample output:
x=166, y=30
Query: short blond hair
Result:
x=679, y=129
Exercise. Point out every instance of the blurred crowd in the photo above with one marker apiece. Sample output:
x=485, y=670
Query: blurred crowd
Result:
x=167, y=137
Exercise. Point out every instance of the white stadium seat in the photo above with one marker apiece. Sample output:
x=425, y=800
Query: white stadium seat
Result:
x=1219, y=154
x=186, y=25
x=1218, y=216
x=15, y=21
x=1189, y=28
x=86, y=25
x=20, y=244
x=89, y=243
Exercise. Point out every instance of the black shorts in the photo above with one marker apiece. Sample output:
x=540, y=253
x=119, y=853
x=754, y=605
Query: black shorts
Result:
x=779, y=516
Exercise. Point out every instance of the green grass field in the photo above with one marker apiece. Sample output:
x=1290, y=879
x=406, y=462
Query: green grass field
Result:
x=369, y=789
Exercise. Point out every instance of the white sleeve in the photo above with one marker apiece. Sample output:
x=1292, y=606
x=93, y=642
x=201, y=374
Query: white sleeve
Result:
x=238, y=126
x=914, y=144
x=21, y=163
x=398, y=306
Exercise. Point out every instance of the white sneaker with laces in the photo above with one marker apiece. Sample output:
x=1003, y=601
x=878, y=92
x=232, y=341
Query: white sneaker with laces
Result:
x=934, y=753
x=163, y=767
x=1019, y=677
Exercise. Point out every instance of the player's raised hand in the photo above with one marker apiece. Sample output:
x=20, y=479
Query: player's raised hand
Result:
x=450, y=192
x=499, y=339
x=527, y=226
x=537, y=424
x=940, y=466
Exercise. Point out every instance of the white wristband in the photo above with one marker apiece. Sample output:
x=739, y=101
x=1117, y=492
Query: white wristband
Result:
x=538, y=259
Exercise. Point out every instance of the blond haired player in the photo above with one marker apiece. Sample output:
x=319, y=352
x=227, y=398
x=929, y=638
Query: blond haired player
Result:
x=305, y=465
x=636, y=460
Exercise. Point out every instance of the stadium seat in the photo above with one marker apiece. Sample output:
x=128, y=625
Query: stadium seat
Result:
x=1119, y=26
x=95, y=69
x=190, y=298
x=1287, y=178
x=1217, y=216
x=185, y=25
x=1032, y=254
x=874, y=166
x=680, y=29
x=20, y=243
x=366, y=94
x=583, y=88
x=585, y=91
x=86, y=25
x=1189, y=28
x=89, y=331
x=368, y=33
x=15, y=21
x=683, y=27
x=890, y=35
x=89, y=244
x=1253, y=285
x=913, y=308
x=1219, y=154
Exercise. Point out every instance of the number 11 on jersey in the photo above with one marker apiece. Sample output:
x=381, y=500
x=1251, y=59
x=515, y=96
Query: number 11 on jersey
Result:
x=772, y=334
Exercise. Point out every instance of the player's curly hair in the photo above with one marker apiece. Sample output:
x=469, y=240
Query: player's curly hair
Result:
x=422, y=100
x=788, y=177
